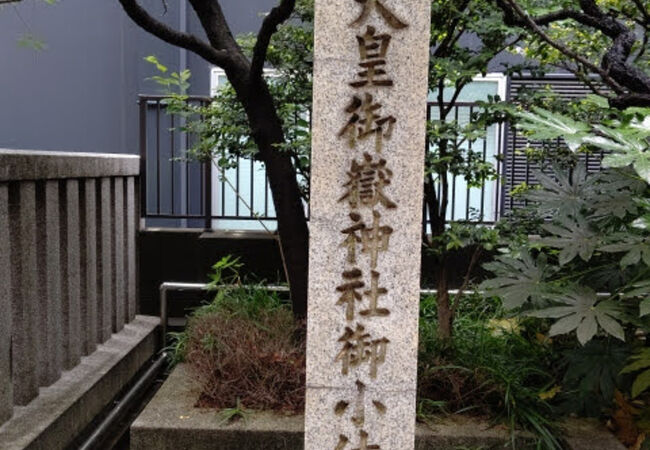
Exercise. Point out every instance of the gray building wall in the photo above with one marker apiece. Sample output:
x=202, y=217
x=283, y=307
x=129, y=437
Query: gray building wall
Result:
x=80, y=93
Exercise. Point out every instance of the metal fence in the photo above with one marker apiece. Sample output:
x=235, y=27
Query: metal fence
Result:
x=176, y=192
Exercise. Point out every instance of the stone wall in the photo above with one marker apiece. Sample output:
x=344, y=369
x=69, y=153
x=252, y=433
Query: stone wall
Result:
x=68, y=224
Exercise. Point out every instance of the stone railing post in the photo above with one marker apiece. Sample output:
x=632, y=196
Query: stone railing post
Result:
x=68, y=224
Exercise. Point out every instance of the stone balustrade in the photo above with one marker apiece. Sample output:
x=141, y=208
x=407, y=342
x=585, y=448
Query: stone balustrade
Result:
x=68, y=225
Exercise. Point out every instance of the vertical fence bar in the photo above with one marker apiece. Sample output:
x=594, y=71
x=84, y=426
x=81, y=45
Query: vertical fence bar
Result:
x=117, y=274
x=171, y=161
x=89, y=265
x=71, y=277
x=266, y=194
x=511, y=181
x=158, y=156
x=484, y=159
x=6, y=388
x=143, y=155
x=188, y=185
x=223, y=191
x=49, y=230
x=237, y=190
x=24, y=292
x=130, y=231
x=207, y=195
x=252, y=196
x=468, y=193
x=104, y=265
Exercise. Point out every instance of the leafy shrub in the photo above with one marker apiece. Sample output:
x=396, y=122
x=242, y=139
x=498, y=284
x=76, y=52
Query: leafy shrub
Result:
x=245, y=349
x=494, y=366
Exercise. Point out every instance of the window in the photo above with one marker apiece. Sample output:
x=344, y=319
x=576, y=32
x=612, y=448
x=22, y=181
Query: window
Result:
x=479, y=204
x=242, y=193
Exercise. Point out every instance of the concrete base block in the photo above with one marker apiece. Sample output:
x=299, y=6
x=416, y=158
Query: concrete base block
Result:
x=62, y=410
x=170, y=422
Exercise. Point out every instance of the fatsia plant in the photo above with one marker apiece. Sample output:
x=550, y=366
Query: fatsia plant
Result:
x=624, y=136
x=588, y=270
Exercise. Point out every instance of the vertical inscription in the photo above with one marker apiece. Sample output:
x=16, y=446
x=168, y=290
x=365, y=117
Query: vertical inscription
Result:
x=368, y=152
x=365, y=190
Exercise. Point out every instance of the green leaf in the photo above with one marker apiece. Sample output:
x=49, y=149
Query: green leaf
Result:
x=573, y=236
x=582, y=313
x=587, y=328
x=611, y=326
x=644, y=307
x=543, y=125
x=641, y=383
x=517, y=280
x=153, y=60
x=560, y=193
x=565, y=325
x=640, y=361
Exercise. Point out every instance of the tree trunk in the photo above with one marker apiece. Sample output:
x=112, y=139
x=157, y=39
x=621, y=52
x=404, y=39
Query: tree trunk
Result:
x=292, y=223
x=445, y=313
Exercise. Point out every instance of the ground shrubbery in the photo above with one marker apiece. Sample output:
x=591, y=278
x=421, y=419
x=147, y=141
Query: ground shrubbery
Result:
x=495, y=367
x=246, y=350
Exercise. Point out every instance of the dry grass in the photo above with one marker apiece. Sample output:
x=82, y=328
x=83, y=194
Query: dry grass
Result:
x=256, y=362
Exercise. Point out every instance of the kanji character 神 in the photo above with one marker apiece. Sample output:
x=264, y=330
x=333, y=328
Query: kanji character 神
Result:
x=375, y=239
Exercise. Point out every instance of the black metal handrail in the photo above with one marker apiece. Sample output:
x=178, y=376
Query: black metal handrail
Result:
x=174, y=190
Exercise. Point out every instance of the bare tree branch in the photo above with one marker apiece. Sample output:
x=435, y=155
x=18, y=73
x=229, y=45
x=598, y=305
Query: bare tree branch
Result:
x=629, y=100
x=530, y=23
x=642, y=9
x=185, y=40
x=278, y=15
x=216, y=28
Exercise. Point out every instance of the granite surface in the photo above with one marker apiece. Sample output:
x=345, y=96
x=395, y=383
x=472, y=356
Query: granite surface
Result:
x=6, y=389
x=43, y=165
x=395, y=204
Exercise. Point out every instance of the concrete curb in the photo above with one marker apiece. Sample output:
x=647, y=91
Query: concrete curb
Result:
x=171, y=422
x=62, y=410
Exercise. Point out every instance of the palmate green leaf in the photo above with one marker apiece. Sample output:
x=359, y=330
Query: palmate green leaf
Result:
x=517, y=281
x=543, y=125
x=591, y=375
x=560, y=193
x=629, y=144
x=573, y=236
x=613, y=192
x=635, y=246
x=584, y=314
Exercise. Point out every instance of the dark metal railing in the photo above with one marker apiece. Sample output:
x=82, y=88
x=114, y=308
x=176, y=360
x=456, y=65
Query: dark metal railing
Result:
x=180, y=193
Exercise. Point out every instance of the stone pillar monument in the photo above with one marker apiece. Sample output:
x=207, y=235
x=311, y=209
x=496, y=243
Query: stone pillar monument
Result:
x=370, y=92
